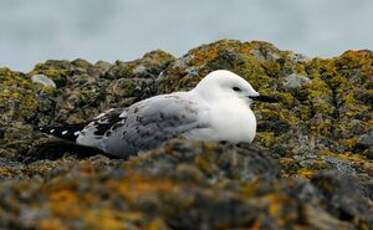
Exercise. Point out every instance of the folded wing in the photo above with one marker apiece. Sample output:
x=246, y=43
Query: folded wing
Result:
x=144, y=125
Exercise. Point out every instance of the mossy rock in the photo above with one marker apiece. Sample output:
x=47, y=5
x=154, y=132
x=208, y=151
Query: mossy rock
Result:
x=310, y=165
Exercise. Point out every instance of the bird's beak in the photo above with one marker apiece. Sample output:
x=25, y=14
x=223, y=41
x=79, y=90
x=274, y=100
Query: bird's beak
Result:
x=264, y=98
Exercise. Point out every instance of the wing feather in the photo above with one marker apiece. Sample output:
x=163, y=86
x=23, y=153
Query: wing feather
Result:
x=145, y=125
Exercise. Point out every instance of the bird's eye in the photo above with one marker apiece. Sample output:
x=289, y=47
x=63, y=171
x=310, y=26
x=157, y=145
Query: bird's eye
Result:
x=237, y=89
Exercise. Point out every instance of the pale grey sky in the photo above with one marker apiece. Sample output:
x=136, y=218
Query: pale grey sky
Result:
x=33, y=31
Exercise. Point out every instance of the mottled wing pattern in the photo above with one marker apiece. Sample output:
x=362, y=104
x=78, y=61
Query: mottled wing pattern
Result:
x=94, y=132
x=149, y=123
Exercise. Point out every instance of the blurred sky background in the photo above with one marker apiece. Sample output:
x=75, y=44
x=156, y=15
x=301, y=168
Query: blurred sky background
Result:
x=33, y=31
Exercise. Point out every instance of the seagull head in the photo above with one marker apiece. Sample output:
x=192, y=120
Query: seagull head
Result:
x=223, y=85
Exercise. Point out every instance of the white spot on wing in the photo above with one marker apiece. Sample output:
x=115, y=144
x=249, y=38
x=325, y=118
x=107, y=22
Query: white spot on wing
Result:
x=104, y=113
x=100, y=115
x=76, y=133
x=64, y=132
x=52, y=131
x=124, y=114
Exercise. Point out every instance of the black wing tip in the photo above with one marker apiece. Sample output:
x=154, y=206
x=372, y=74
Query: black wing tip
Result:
x=68, y=132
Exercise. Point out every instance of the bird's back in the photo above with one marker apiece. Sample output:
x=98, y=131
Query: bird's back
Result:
x=144, y=125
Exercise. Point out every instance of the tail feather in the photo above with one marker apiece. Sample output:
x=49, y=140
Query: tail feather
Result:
x=66, y=132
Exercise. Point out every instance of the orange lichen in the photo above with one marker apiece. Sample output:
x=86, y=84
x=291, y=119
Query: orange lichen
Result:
x=276, y=203
x=137, y=186
x=64, y=203
x=51, y=224
x=7, y=172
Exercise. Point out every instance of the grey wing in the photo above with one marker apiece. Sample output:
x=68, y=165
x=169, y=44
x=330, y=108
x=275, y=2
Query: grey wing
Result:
x=94, y=132
x=149, y=123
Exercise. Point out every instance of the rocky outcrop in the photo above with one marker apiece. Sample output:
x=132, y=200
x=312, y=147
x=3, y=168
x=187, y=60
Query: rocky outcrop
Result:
x=309, y=166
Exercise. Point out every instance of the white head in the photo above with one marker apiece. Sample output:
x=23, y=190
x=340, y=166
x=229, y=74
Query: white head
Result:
x=223, y=84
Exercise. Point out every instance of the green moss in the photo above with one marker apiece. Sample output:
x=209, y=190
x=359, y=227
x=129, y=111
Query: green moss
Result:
x=266, y=138
x=17, y=98
x=81, y=63
x=149, y=66
x=253, y=71
x=58, y=71
x=319, y=96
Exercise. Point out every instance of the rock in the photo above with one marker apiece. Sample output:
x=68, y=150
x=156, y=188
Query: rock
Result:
x=44, y=80
x=103, y=66
x=299, y=58
x=344, y=197
x=309, y=165
x=149, y=66
x=215, y=162
x=294, y=81
x=366, y=140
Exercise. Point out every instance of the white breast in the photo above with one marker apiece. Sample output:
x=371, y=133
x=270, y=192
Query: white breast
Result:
x=235, y=124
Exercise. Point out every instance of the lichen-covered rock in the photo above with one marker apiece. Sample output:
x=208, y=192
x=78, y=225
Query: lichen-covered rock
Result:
x=294, y=81
x=310, y=165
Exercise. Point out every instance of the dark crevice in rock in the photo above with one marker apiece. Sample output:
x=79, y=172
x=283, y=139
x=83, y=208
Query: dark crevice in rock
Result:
x=54, y=150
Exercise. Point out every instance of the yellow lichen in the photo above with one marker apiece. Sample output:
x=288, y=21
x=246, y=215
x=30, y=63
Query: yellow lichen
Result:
x=266, y=138
x=107, y=218
x=306, y=172
x=156, y=224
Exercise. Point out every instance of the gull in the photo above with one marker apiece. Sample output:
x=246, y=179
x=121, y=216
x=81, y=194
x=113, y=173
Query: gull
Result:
x=217, y=109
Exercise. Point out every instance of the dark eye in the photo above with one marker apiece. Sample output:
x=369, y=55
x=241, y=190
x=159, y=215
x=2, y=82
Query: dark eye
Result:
x=237, y=89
